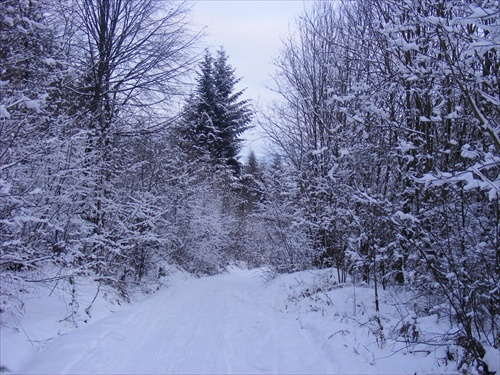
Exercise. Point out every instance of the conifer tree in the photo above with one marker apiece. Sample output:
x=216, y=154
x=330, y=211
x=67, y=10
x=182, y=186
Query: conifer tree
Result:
x=215, y=117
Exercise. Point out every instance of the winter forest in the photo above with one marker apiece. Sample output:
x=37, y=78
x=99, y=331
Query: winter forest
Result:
x=121, y=139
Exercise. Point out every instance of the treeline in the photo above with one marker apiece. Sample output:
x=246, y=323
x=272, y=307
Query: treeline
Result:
x=388, y=127
x=109, y=167
x=85, y=93
x=119, y=152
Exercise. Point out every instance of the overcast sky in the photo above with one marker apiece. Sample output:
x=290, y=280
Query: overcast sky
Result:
x=251, y=33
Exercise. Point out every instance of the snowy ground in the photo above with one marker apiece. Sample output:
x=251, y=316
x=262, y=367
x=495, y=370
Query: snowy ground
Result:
x=230, y=323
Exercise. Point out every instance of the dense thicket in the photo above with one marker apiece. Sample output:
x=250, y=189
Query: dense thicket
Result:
x=94, y=180
x=86, y=102
x=389, y=128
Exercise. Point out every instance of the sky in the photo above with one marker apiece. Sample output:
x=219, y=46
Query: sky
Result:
x=251, y=32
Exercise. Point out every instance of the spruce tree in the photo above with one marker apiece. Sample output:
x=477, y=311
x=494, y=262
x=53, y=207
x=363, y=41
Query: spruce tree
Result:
x=215, y=117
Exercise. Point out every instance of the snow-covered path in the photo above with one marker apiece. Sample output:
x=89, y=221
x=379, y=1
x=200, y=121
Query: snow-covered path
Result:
x=222, y=324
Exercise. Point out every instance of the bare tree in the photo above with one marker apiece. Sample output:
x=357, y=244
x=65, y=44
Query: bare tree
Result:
x=133, y=57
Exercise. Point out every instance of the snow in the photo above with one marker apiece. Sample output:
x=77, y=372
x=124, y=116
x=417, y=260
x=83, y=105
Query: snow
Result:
x=3, y=112
x=35, y=191
x=468, y=153
x=405, y=146
x=229, y=323
x=404, y=216
x=478, y=12
x=406, y=46
x=33, y=104
x=50, y=61
x=8, y=20
x=343, y=152
x=320, y=151
x=472, y=183
x=492, y=359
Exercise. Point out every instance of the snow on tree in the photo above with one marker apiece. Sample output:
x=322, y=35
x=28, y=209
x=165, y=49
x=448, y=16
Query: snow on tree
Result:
x=83, y=96
x=131, y=61
x=215, y=117
x=390, y=124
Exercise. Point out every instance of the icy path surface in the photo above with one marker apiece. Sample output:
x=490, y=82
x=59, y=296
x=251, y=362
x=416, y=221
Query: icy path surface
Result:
x=222, y=324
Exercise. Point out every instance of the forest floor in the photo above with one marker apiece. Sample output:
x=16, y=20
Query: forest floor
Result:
x=230, y=323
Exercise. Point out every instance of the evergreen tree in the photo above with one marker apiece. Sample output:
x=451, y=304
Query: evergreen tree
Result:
x=252, y=166
x=215, y=117
x=252, y=183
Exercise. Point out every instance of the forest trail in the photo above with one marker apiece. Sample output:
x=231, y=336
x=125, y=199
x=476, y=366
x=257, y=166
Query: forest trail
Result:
x=227, y=323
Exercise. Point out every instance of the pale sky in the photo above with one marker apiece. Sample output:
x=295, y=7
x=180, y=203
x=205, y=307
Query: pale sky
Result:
x=250, y=32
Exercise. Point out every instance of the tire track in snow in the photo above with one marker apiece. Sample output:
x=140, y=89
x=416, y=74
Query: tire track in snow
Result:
x=220, y=324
